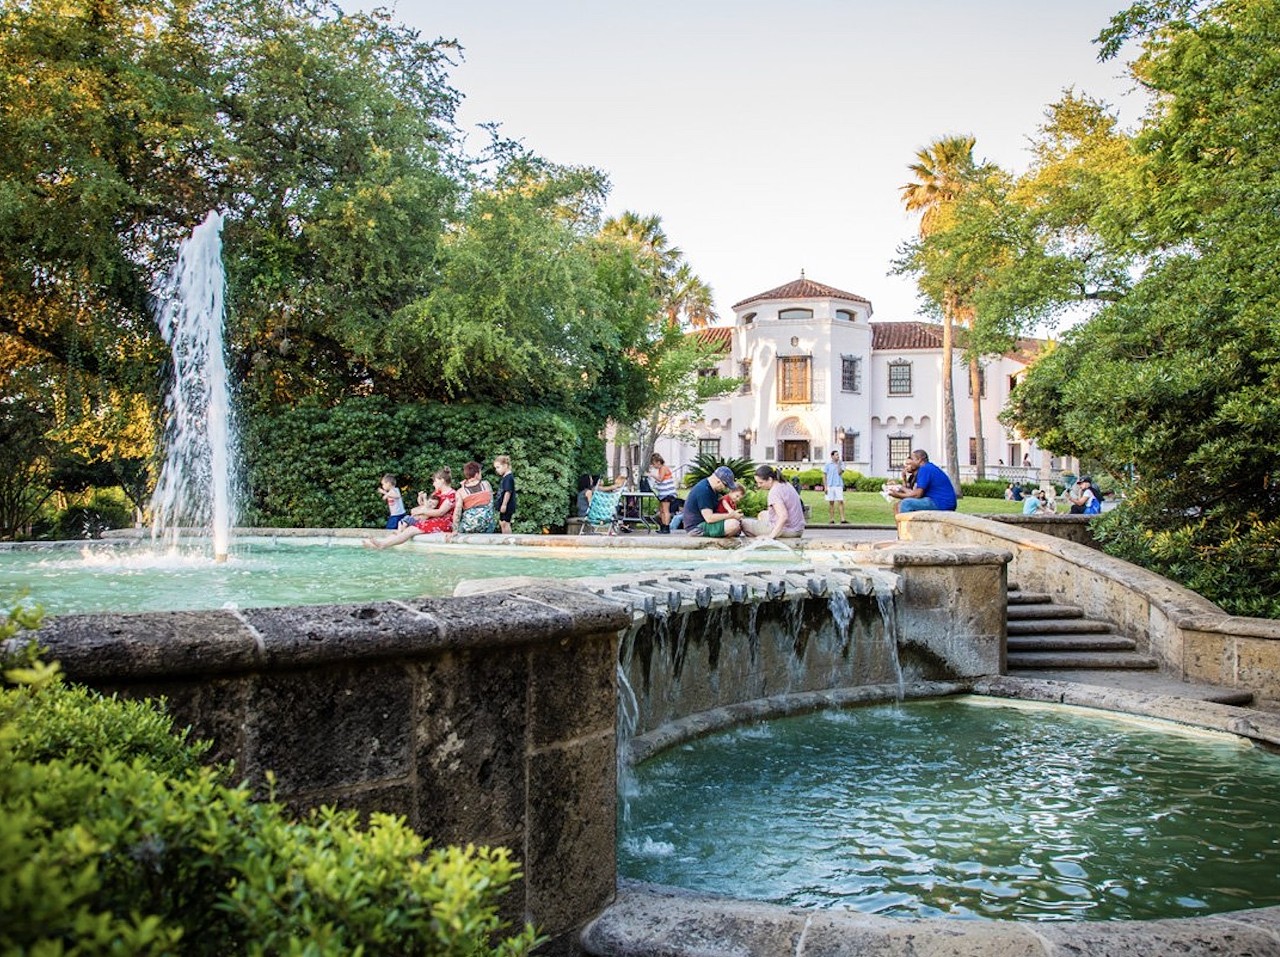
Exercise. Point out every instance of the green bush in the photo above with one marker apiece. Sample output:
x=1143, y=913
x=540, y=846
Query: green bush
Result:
x=1229, y=559
x=984, y=488
x=866, y=483
x=121, y=844
x=754, y=502
x=319, y=466
x=810, y=477
x=705, y=463
x=107, y=508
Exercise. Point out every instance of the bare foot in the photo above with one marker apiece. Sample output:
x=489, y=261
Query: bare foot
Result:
x=370, y=543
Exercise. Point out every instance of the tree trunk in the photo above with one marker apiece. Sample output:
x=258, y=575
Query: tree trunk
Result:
x=950, y=443
x=975, y=389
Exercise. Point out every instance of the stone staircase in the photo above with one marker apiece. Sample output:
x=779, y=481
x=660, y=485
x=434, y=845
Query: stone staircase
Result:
x=1049, y=636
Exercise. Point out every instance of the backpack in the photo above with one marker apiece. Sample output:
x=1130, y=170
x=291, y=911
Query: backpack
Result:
x=1094, y=505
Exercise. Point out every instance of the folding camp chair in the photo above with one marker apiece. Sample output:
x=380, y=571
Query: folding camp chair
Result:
x=603, y=512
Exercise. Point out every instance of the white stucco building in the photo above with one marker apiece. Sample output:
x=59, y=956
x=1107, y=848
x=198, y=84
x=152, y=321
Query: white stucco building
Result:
x=819, y=375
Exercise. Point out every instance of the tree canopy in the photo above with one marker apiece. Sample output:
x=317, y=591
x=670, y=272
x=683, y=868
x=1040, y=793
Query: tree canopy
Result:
x=1170, y=231
x=369, y=250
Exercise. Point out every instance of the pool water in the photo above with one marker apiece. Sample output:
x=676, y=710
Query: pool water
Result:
x=263, y=573
x=967, y=808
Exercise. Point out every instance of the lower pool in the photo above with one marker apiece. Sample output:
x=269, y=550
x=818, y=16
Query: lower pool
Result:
x=964, y=807
x=263, y=572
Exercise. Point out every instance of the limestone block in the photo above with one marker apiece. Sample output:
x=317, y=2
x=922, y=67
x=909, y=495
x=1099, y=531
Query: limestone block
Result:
x=313, y=634
x=573, y=688
x=328, y=728
x=571, y=859
x=470, y=725
x=170, y=644
x=1258, y=665
x=1209, y=657
x=214, y=709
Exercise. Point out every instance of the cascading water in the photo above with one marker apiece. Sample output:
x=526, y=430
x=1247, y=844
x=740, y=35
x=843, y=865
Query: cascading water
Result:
x=196, y=482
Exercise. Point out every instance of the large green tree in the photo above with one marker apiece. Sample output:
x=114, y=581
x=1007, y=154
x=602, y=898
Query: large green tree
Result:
x=1177, y=382
x=367, y=251
x=669, y=360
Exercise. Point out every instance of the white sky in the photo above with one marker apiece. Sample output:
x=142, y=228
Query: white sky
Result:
x=772, y=136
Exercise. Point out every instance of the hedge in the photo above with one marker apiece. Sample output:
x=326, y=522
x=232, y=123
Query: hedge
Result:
x=319, y=467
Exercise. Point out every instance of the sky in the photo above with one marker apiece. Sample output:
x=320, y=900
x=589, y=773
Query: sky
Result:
x=772, y=137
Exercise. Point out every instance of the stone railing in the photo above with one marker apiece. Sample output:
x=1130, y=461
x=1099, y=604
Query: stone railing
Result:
x=1191, y=637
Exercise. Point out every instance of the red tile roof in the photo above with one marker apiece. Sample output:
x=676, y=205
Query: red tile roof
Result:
x=721, y=336
x=803, y=289
x=893, y=336
x=901, y=336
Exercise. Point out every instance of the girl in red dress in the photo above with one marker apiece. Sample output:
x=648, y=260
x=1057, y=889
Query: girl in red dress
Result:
x=433, y=513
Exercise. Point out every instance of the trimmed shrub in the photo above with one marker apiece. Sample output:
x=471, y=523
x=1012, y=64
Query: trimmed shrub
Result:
x=319, y=466
x=984, y=488
x=1228, y=559
x=810, y=477
x=866, y=483
x=107, y=508
x=113, y=840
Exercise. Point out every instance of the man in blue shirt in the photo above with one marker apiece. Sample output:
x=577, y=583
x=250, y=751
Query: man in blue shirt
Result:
x=932, y=491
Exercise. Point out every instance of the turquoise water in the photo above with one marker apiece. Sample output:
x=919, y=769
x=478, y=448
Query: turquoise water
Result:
x=964, y=808
x=261, y=573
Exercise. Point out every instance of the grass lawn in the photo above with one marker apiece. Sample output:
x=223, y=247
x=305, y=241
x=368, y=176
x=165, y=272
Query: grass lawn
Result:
x=870, y=508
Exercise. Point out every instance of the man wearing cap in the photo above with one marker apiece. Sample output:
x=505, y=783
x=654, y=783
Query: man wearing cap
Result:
x=1086, y=501
x=700, y=515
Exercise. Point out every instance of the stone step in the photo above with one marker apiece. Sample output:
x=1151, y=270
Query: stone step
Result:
x=1058, y=626
x=1108, y=642
x=1099, y=660
x=1043, y=610
x=1029, y=598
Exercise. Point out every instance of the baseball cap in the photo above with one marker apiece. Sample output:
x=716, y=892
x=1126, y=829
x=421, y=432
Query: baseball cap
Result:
x=1086, y=478
x=725, y=475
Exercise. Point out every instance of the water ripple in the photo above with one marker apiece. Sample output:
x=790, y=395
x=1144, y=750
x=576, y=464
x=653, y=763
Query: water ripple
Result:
x=944, y=809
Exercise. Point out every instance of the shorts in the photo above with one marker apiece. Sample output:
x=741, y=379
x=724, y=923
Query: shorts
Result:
x=394, y=521
x=713, y=529
x=507, y=517
x=668, y=498
x=835, y=494
x=925, y=504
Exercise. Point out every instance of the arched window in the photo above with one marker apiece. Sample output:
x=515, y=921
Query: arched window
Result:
x=795, y=313
x=749, y=319
x=848, y=315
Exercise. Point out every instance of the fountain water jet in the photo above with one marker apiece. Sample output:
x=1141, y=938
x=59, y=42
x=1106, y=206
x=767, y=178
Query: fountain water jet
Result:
x=196, y=482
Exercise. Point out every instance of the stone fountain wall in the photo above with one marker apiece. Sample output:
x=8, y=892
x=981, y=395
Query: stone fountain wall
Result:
x=709, y=640
x=488, y=720
x=492, y=718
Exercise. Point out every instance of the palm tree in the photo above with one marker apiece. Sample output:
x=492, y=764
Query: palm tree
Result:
x=690, y=300
x=943, y=170
x=683, y=300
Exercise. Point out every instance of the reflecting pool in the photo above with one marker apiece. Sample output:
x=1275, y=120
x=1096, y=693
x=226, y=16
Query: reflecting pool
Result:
x=266, y=573
x=964, y=807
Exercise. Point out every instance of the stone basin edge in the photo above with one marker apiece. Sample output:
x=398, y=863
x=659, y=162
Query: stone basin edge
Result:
x=648, y=920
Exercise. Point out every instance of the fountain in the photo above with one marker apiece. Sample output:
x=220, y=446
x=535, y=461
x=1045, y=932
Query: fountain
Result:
x=196, y=482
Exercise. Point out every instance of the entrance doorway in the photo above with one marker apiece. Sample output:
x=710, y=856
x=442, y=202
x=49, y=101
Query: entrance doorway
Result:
x=793, y=450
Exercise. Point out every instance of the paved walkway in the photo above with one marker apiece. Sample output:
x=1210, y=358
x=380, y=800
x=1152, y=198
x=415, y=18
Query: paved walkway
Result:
x=1141, y=682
